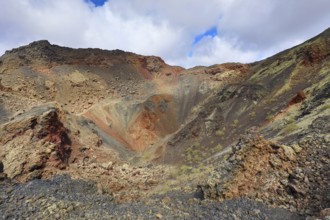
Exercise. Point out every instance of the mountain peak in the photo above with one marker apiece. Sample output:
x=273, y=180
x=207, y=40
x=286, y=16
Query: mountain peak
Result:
x=39, y=43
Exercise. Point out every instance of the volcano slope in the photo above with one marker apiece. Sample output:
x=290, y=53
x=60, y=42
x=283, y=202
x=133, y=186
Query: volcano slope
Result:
x=85, y=129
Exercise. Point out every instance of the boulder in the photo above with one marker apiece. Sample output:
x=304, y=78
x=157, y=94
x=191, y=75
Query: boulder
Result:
x=288, y=153
x=297, y=149
x=275, y=161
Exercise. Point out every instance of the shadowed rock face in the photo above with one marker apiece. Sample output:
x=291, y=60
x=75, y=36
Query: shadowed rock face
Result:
x=76, y=110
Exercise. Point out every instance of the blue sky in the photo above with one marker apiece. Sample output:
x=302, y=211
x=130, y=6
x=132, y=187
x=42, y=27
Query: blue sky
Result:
x=186, y=32
x=98, y=3
x=212, y=32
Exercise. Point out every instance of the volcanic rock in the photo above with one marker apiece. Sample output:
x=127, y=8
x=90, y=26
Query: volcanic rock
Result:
x=229, y=141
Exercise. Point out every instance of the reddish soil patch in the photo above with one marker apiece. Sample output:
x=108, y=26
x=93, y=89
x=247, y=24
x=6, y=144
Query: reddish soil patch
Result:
x=298, y=98
x=54, y=131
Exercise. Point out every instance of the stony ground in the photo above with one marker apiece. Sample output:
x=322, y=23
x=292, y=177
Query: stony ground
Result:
x=295, y=177
x=64, y=198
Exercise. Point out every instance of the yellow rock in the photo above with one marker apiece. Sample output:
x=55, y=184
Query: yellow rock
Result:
x=288, y=152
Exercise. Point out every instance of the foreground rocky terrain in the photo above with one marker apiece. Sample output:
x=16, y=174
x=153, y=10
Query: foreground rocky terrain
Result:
x=63, y=198
x=94, y=134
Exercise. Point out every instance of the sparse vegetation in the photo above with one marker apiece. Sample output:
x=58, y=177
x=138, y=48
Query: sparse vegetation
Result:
x=218, y=148
x=220, y=133
x=184, y=169
x=252, y=114
x=196, y=153
x=325, y=107
x=269, y=116
x=290, y=120
x=234, y=123
x=290, y=128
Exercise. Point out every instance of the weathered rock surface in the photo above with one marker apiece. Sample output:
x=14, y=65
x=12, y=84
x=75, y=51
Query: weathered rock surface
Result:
x=294, y=177
x=162, y=140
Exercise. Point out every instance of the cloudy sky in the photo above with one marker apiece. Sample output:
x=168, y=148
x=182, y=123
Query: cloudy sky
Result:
x=182, y=32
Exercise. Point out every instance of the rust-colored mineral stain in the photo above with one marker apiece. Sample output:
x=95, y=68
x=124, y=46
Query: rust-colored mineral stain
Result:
x=142, y=130
x=298, y=98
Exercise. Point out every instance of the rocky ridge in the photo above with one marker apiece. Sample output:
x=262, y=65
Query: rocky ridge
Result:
x=207, y=142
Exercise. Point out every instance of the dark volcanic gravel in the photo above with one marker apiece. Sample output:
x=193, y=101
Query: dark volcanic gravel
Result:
x=64, y=198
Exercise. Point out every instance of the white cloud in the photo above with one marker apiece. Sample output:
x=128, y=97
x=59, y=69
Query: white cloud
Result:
x=261, y=23
x=217, y=50
x=247, y=30
x=106, y=29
